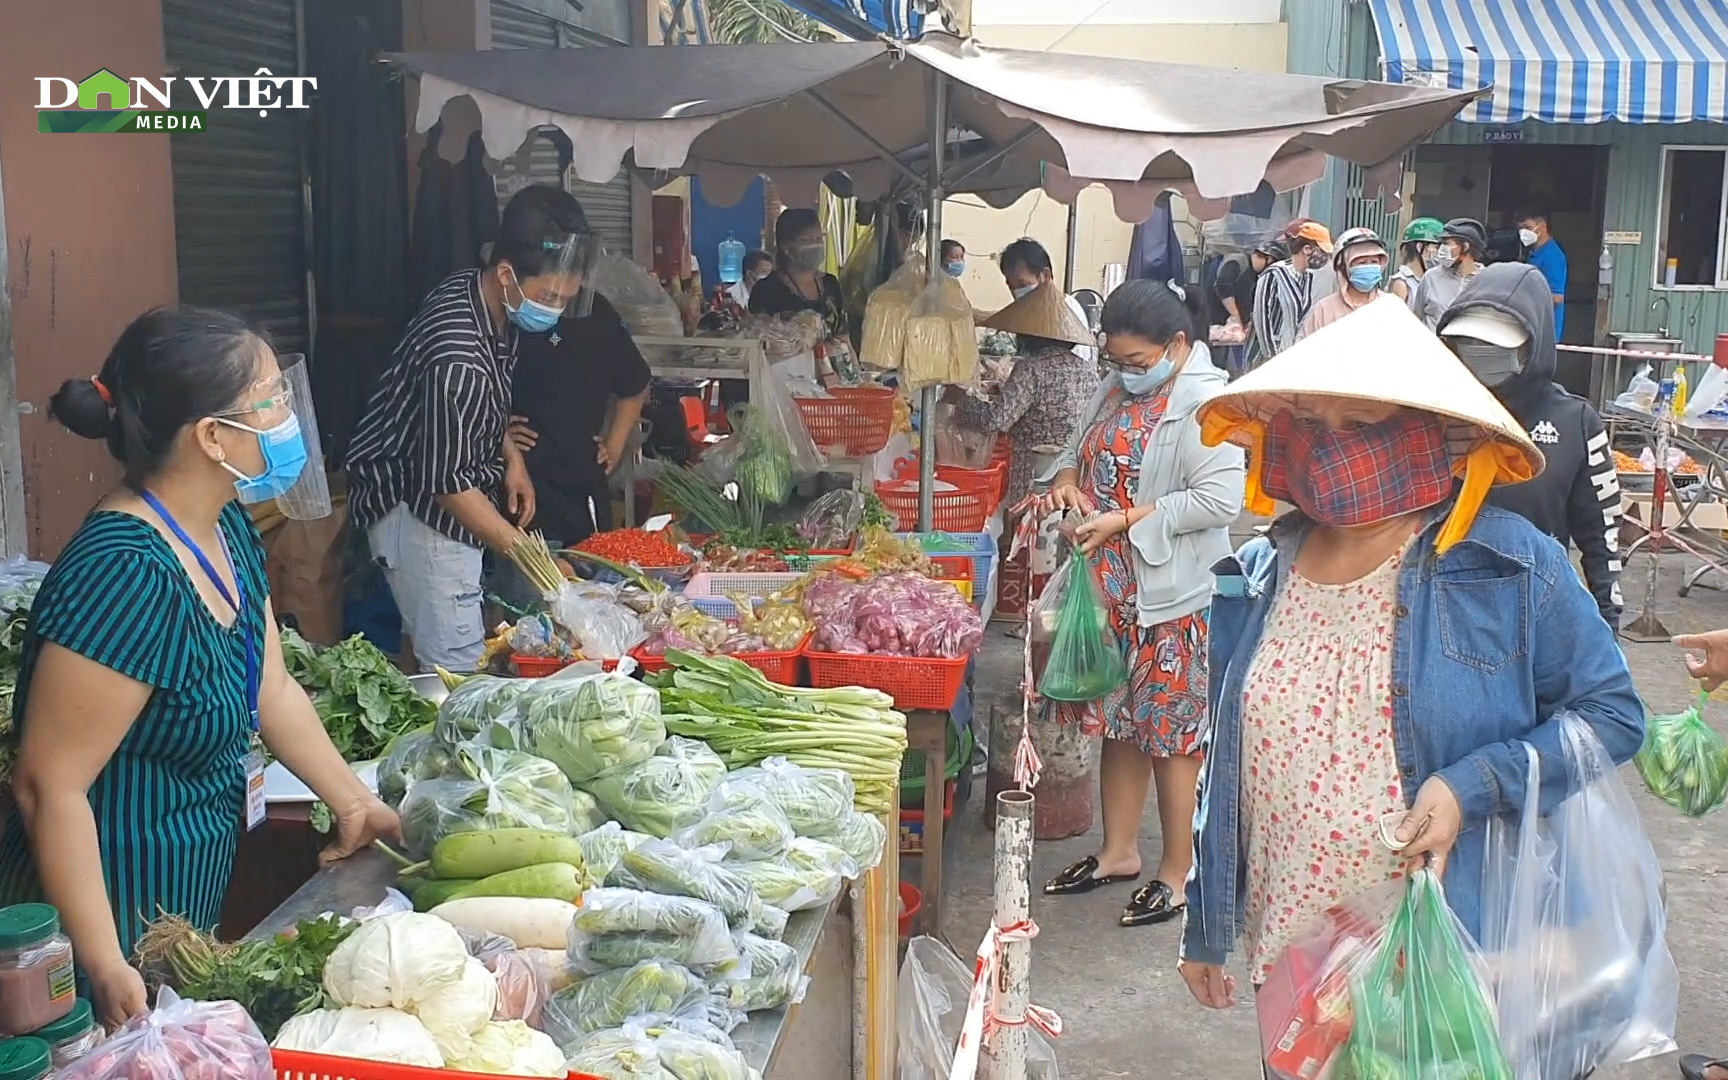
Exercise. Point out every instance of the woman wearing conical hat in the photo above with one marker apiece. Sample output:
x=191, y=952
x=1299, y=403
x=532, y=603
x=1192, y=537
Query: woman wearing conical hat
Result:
x=1385, y=648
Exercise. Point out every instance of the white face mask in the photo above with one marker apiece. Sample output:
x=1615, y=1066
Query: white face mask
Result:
x=1527, y=237
x=1023, y=290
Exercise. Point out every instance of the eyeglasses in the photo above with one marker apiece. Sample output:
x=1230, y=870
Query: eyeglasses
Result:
x=281, y=397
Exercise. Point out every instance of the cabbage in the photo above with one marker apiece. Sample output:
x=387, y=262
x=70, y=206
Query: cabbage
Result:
x=513, y=1048
x=666, y=792
x=455, y=1012
x=592, y=725
x=374, y=1034
x=396, y=961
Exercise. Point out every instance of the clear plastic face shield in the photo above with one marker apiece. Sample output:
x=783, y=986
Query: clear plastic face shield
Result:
x=281, y=414
x=561, y=287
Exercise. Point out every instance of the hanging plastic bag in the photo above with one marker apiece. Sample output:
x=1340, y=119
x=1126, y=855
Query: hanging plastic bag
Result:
x=1683, y=761
x=765, y=467
x=1574, y=925
x=180, y=1040
x=941, y=339
x=935, y=986
x=779, y=413
x=885, y=315
x=1086, y=660
x=1420, y=1000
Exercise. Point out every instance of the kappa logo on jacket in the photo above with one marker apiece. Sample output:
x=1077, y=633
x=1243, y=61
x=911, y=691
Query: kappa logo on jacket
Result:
x=1545, y=433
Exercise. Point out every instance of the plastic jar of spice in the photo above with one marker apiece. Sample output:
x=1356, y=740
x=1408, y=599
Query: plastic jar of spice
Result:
x=25, y=1059
x=73, y=1035
x=36, y=984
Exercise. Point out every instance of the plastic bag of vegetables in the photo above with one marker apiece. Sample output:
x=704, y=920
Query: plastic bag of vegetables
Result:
x=774, y=980
x=617, y=1054
x=831, y=522
x=603, y=848
x=815, y=801
x=180, y=1039
x=617, y=928
x=662, y=866
x=481, y=701
x=1683, y=761
x=512, y=1048
x=488, y=788
x=765, y=467
x=419, y=755
x=612, y=997
x=771, y=923
x=655, y=1048
x=862, y=836
x=664, y=793
x=754, y=829
x=591, y=725
x=809, y=875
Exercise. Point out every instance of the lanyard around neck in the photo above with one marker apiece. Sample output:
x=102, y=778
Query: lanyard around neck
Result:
x=253, y=674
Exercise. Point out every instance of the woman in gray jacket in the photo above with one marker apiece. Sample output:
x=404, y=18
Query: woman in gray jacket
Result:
x=1159, y=508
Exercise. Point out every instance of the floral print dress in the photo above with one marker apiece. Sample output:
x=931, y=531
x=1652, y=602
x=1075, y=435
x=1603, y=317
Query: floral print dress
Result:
x=1163, y=705
x=1319, y=767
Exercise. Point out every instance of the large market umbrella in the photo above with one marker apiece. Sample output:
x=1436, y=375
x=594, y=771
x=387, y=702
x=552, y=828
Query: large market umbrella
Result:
x=1017, y=120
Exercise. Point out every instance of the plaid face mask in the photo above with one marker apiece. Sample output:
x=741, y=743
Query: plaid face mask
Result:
x=1361, y=475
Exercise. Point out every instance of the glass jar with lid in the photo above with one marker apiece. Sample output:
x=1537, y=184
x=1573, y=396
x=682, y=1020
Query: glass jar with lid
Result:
x=36, y=980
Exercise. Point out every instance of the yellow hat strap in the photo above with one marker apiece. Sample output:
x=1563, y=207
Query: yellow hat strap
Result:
x=1254, y=495
x=1481, y=467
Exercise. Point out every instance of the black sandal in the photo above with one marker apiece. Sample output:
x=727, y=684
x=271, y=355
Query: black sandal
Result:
x=1153, y=902
x=1693, y=1066
x=1082, y=878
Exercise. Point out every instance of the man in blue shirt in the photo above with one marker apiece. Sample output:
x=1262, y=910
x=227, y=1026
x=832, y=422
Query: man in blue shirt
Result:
x=1547, y=256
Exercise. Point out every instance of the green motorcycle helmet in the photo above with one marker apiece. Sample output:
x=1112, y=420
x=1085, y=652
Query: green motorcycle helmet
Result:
x=1424, y=230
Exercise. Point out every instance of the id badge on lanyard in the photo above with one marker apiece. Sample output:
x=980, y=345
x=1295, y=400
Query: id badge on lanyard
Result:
x=254, y=759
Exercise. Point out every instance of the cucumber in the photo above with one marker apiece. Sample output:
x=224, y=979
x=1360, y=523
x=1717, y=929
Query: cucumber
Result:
x=482, y=854
x=548, y=881
x=428, y=894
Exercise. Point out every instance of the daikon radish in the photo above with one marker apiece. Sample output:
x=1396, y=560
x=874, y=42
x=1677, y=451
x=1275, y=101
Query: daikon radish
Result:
x=531, y=922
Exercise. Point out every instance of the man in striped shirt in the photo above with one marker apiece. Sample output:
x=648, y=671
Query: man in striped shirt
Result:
x=431, y=475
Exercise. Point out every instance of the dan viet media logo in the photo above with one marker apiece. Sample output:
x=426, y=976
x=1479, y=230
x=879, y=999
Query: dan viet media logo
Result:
x=105, y=103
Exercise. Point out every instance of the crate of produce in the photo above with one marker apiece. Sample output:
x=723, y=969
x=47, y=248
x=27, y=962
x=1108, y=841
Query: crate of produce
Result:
x=980, y=547
x=537, y=667
x=852, y=420
x=957, y=571
x=295, y=1065
x=914, y=682
x=785, y=667
x=711, y=592
x=957, y=508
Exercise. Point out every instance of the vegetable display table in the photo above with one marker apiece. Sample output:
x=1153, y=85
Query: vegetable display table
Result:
x=927, y=732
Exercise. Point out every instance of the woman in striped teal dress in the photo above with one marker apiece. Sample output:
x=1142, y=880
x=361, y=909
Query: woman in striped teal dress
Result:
x=152, y=673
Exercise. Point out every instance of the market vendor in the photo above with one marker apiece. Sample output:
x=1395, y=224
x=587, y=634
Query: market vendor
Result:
x=578, y=395
x=798, y=282
x=1041, y=400
x=1025, y=265
x=431, y=475
x=152, y=679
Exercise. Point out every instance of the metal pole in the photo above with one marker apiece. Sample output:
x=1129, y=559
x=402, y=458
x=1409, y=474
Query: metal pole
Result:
x=12, y=538
x=1013, y=990
x=1073, y=245
x=937, y=83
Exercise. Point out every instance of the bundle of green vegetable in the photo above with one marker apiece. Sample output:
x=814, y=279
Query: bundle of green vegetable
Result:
x=488, y=788
x=604, y=847
x=591, y=725
x=274, y=979
x=863, y=837
x=791, y=888
x=765, y=466
x=364, y=700
x=617, y=928
x=662, y=866
x=1684, y=762
x=755, y=830
x=656, y=1050
x=498, y=862
x=476, y=704
x=774, y=979
x=612, y=997
x=746, y=718
x=814, y=801
x=664, y=793
x=419, y=755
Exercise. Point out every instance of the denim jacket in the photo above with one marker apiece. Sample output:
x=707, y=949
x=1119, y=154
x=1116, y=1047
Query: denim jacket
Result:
x=1491, y=640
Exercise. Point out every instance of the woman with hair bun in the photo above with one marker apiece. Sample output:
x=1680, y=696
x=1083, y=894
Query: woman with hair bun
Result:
x=152, y=677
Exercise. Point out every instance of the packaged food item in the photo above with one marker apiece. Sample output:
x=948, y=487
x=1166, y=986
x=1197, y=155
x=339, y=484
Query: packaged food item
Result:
x=25, y=1059
x=72, y=1036
x=36, y=979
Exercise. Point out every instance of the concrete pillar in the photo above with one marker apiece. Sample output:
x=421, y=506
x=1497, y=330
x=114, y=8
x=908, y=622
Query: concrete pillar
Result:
x=1066, y=787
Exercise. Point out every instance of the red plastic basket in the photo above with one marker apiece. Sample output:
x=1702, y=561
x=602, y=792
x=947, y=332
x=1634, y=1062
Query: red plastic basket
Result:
x=913, y=681
x=964, y=509
x=993, y=479
x=784, y=667
x=294, y=1065
x=537, y=667
x=854, y=420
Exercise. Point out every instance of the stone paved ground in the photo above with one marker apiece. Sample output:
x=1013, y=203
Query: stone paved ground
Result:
x=1129, y=1015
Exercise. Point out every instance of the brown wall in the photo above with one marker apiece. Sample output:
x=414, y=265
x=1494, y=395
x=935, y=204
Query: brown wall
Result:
x=90, y=236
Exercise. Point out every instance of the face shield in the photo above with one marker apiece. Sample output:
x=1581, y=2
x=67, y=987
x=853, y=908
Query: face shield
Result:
x=560, y=284
x=285, y=421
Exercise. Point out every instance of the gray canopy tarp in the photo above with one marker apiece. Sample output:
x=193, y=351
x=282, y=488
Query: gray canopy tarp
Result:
x=1019, y=120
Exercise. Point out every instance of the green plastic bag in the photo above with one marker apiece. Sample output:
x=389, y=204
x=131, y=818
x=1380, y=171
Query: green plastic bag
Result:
x=1085, y=658
x=1421, y=1004
x=1684, y=762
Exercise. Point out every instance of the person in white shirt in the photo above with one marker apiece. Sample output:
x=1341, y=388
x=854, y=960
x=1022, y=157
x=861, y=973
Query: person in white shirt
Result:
x=757, y=265
x=1025, y=265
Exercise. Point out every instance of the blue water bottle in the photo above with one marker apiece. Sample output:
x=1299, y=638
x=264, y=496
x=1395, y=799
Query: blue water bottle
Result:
x=731, y=260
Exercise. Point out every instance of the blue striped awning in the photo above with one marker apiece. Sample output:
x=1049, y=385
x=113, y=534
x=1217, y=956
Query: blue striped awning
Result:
x=1564, y=61
x=865, y=19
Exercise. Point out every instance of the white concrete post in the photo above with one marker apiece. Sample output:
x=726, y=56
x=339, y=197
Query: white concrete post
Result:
x=1009, y=997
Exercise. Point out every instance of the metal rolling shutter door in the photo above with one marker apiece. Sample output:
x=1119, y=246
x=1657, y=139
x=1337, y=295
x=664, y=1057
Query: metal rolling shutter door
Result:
x=608, y=204
x=238, y=199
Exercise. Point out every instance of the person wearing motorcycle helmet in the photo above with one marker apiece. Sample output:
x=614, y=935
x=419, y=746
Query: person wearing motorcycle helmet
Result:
x=1418, y=253
x=1463, y=245
x=1359, y=265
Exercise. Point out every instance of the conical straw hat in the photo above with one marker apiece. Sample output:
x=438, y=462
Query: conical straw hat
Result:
x=1381, y=352
x=1044, y=313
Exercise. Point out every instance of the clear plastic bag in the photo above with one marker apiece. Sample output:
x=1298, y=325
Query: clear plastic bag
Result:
x=659, y=1048
x=662, y=866
x=1086, y=660
x=603, y=848
x=617, y=928
x=604, y=627
x=755, y=829
x=489, y=788
x=814, y=801
x=180, y=1040
x=780, y=416
x=665, y=793
x=862, y=836
x=764, y=469
x=1640, y=392
x=886, y=313
x=1683, y=761
x=1712, y=389
x=592, y=725
x=638, y=296
x=419, y=755
x=774, y=980
x=941, y=338
x=831, y=522
x=933, y=991
x=610, y=998
x=1574, y=925
x=473, y=707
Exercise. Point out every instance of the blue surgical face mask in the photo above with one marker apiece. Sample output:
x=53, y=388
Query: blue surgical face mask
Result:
x=284, y=453
x=1140, y=383
x=954, y=269
x=1367, y=278
x=531, y=315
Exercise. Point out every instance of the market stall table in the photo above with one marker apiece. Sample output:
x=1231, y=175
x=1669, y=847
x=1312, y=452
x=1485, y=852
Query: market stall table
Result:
x=1706, y=442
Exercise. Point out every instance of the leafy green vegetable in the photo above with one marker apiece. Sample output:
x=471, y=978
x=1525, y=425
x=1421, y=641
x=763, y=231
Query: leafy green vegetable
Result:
x=593, y=725
x=476, y=705
x=863, y=837
x=662, y=866
x=619, y=927
x=363, y=699
x=489, y=788
x=610, y=998
x=753, y=830
x=415, y=756
x=774, y=978
x=814, y=801
x=603, y=848
x=664, y=793
x=1684, y=762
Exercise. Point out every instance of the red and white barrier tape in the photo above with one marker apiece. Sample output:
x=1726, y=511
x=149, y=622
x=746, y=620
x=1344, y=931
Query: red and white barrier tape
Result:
x=981, y=1020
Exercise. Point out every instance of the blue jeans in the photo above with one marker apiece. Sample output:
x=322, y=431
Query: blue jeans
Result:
x=436, y=583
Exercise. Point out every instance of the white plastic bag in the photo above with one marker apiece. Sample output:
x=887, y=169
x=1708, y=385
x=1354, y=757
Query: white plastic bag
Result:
x=1573, y=923
x=1640, y=392
x=1712, y=389
x=934, y=988
x=180, y=1040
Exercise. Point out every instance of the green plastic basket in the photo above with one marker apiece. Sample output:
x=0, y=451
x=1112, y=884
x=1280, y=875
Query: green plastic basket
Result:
x=912, y=767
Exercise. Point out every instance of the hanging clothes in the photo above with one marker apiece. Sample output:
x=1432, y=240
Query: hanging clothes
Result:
x=1155, y=252
x=455, y=215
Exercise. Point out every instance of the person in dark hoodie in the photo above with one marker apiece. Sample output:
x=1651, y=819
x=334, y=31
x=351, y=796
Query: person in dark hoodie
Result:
x=1502, y=328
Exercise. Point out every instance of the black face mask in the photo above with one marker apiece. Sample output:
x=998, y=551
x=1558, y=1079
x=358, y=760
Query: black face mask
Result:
x=1491, y=364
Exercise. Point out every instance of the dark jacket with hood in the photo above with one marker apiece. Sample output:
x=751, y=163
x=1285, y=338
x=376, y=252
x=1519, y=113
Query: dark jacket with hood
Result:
x=1576, y=499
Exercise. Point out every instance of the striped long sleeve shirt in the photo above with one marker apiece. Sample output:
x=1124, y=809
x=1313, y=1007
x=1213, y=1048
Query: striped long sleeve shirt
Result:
x=435, y=424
